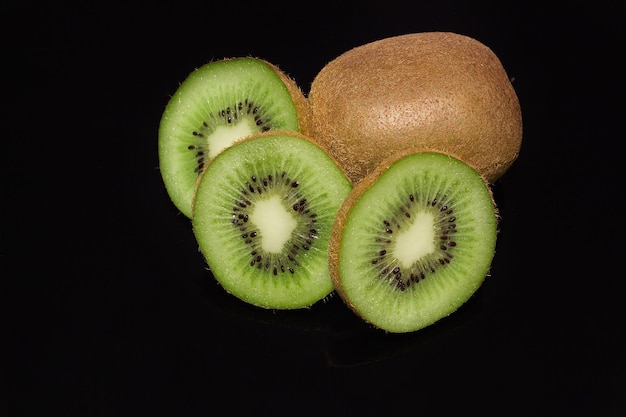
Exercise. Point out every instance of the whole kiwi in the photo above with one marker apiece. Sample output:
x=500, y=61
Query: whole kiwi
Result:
x=439, y=90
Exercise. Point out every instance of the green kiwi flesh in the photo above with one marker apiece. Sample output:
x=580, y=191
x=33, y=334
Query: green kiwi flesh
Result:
x=216, y=105
x=263, y=215
x=413, y=241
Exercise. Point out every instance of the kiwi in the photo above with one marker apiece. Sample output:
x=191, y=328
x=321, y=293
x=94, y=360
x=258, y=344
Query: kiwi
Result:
x=217, y=104
x=263, y=214
x=440, y=90
x=413, y=240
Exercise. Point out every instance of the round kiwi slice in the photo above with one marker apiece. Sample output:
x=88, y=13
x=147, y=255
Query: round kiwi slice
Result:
x=413, y=241
x=439, y=90
x=216, y=105
x=263, y=215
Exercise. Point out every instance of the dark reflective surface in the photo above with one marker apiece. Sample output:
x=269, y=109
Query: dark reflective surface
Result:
x=112, y=312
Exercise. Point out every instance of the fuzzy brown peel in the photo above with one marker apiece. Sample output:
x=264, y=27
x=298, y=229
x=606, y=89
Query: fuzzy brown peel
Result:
x=305, y=113
x=439, y=90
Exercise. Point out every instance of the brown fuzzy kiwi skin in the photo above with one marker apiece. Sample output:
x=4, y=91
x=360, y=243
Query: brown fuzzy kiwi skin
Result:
x=358, y=190
x=303, y=108
x=441, y=90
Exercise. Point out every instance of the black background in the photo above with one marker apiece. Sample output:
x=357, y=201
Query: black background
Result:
x=112, y=312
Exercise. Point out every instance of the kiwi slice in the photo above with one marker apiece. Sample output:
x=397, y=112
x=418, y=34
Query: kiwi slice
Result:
x=263, y=214
x=216, y=105
x=413, y=240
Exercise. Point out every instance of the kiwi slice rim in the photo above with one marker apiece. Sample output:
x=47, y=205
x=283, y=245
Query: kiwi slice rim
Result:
x=249, y=198
x=399, y=282
x=218, y=104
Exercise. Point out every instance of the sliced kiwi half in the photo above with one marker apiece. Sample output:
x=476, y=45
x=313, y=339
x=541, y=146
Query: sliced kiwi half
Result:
x=216, y=105
x=413, y=241
x=263, y=215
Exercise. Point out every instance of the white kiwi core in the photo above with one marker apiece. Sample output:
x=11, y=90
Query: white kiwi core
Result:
x=224, y=136
x=274, y=222
x=417, y=241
